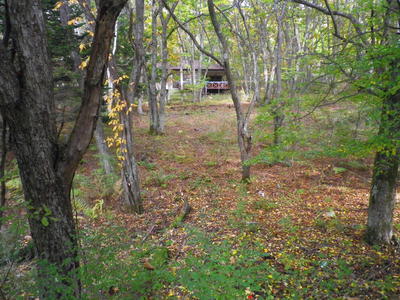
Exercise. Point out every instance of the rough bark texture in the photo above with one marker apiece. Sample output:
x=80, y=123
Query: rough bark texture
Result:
x=88, y=113
x=278, y=103
x=244, y=137
x=3, y=155
x=129, y=172
x=383, y=189
x=47, y=168
x=99, y=136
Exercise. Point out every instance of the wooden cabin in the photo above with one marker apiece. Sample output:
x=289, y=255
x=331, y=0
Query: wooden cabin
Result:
x=184, y=73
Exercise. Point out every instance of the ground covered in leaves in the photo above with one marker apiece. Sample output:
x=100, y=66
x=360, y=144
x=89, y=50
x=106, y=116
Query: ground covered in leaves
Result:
x=294, y=232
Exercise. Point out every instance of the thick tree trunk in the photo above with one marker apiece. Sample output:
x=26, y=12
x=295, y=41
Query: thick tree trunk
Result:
x=383, y=188
x=46, y=169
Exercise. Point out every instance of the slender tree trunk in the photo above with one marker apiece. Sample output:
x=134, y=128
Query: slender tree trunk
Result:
x=129, y=172
x=278, y=105
x=3, y=156
x=102, y=148
x=155, y=127
x=383, y=189
x=140, y=105
x=138, y=73
x=244, y=136
x=193, y=73
x=164, y=65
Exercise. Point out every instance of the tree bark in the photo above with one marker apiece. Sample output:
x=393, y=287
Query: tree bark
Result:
x=47, y=168
x=155, y=111
x=383, y=189
x=244, y=136
x=102, y=148
x=3, y=156
x=277, y=106
x=164, y=64
x=99, y=136
x=129, y=171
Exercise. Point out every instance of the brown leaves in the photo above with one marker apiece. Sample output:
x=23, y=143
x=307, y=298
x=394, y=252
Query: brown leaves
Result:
x=147, y=265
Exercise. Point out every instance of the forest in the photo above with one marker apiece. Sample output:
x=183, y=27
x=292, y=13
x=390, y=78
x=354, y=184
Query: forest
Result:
x=209, y=149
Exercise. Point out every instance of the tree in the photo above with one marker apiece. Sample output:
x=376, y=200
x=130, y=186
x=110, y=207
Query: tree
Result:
x=3, y=156
x=242, y=118
x=120, y=101
x=373, y=67
x=47, y=166
x=244, y=136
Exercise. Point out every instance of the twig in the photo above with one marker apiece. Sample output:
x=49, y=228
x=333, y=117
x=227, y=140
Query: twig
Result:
x=193, y=38
x=148, y=233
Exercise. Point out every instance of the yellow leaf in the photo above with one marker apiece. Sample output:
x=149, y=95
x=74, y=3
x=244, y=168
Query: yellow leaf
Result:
x=58, y=5
x=82, y=47
x=84, y=64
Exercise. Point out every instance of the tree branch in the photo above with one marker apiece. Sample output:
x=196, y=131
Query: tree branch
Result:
x=356, y=24
x=193, y=38
x=194, y=18
x=85, y=124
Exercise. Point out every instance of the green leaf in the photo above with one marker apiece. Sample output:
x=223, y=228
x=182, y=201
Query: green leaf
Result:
x=45, y=221
x=339, y=170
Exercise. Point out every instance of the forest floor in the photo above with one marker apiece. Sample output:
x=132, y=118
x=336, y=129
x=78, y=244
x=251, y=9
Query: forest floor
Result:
x=296, y=231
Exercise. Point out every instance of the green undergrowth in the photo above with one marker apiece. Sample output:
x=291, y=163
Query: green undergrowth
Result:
x=210, y=266
x=345, y=130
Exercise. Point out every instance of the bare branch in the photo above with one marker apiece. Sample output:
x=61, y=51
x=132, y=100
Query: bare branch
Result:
x=356, y=24
x=193, y=38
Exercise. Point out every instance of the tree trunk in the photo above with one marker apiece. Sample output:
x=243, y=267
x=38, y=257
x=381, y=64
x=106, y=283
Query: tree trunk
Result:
x=46, y=168
x=130, y=174
x=140, y=105
x=244, y=137
x=277, y=108
x=155, y=125
x=102, y=148
x=383, y=189
x=3, y=156
x=164, y=65
x=104, y=154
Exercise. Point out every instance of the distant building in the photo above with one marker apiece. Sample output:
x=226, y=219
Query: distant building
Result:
x=214, y=76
